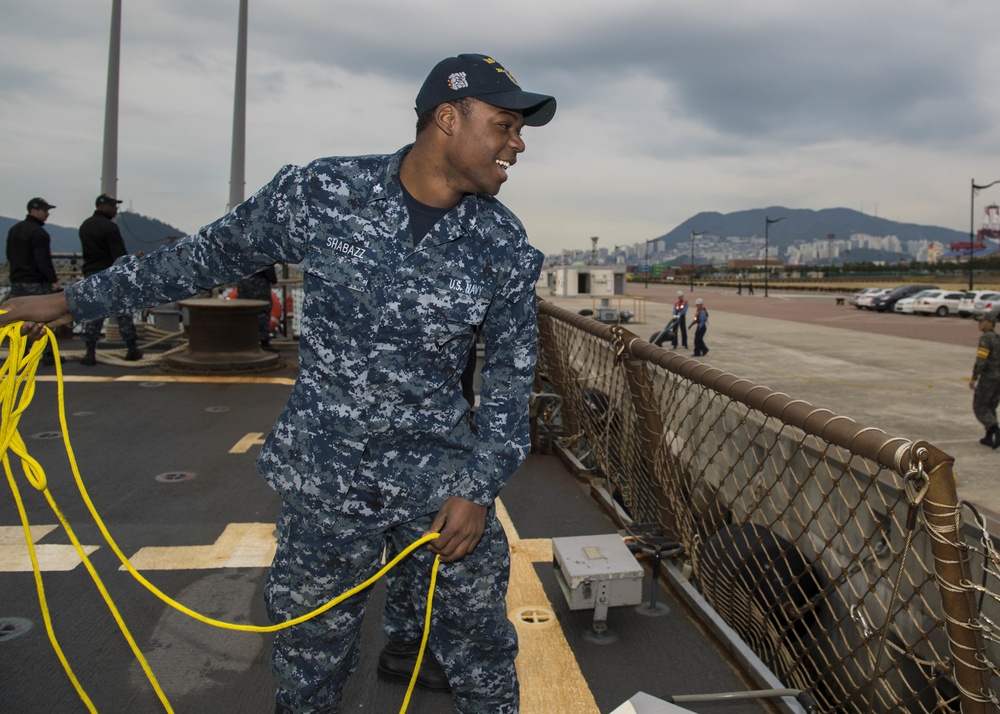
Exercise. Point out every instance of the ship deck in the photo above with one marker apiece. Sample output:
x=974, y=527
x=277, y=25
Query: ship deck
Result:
x=168, y=460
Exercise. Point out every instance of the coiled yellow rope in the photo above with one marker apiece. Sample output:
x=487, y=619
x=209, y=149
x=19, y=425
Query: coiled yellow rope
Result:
x=17, y=388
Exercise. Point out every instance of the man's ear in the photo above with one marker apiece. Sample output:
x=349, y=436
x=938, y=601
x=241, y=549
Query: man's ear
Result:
x=445, y=116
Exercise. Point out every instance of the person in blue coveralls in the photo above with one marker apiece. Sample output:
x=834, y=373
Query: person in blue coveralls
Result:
x=405, y=257
x=700, y=323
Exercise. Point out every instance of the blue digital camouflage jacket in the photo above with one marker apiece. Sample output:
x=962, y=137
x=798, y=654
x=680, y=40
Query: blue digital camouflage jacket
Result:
x=385, y=331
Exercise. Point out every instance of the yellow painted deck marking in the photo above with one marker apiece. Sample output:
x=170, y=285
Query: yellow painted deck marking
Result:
x=241, y=545
x=180, y=379
x=51, y=557
x=551, y=680
x=254, y=438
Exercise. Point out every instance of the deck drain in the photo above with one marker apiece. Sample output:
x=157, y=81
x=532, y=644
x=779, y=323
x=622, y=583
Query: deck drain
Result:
x=11, y=627
x=217, y=410
x=175, y=476
x=47, y=435
x=535, y=616
x=83, y=414
x=151, y=385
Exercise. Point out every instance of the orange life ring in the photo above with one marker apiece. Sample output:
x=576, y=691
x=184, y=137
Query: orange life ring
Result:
x=275, y=307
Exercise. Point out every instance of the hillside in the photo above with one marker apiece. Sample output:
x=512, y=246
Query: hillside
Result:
x=141, y=233
x=803, y=225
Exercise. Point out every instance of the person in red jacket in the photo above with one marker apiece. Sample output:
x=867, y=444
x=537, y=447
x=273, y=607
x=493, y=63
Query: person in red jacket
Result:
x=680, y=312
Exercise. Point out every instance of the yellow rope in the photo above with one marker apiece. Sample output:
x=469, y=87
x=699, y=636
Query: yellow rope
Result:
x=17, y=388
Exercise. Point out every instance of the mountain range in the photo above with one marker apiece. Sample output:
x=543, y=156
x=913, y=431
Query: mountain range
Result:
x=804, y=226
x=142, y=234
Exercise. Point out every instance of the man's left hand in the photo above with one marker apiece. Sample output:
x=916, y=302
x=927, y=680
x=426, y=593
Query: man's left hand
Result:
x=461, y=524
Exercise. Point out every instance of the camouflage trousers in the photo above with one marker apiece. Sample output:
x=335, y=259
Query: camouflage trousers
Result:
x=470, y=633
x=256, y=287
x=23, y=289
x=985, y=400
x=126, y=326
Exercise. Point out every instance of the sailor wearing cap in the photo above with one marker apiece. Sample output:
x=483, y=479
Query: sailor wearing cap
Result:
x=405, y=257
x=102, y=245
x=29, y=254
x=985, y=380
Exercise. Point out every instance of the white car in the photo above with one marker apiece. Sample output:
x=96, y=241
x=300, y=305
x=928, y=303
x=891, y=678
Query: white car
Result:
x=968, y=301
x=937, y=302
x=853, y=300
x=905, y=305
x=985, y=303
x=865, y=301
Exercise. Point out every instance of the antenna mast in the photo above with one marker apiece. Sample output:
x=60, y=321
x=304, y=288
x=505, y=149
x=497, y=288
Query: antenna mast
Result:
x=109, y=162
x=237, y=180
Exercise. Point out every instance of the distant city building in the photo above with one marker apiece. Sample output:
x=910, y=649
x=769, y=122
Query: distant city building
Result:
x=748, y=252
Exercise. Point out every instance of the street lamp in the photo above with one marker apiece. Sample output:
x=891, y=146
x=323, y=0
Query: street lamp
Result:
x=972, y=220
x=693, y=234
x=767, y=225
x=646, y=260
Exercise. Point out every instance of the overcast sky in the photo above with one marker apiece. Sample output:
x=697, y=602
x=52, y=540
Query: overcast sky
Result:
x=666, y=108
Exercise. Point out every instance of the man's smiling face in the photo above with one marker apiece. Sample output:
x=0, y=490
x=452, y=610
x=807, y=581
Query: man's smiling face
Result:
x=486, y=142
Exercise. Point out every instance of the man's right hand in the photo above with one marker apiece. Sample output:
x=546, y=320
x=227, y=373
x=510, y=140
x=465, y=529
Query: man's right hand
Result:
x=36, y=312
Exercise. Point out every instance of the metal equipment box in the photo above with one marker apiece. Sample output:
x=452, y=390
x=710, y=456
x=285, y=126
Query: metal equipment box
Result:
x=596, y=572
x=606, y=315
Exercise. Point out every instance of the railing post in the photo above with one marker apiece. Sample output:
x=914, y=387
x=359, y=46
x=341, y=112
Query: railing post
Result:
x=951, y=567
x=651, y=434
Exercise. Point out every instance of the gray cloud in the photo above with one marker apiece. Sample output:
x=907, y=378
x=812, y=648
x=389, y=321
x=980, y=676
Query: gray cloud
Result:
x=716, y=106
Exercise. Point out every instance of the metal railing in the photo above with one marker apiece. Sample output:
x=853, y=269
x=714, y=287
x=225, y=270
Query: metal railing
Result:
x=837, y=552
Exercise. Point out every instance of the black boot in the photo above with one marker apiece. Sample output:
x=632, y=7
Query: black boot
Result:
x=90, y=359
x=267, y=346
x=994, y=435
x=398, y=659
x=134, y=353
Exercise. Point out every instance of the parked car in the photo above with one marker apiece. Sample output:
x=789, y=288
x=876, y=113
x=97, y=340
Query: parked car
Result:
x=985, y=303
x=905, y=305
x=937, y=302
x=968, y=301
x=853, y=299
x=885, y=303
x=865, y=301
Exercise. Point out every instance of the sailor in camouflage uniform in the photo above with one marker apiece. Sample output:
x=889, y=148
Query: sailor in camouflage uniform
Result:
x=375, y=445
x=986, y=380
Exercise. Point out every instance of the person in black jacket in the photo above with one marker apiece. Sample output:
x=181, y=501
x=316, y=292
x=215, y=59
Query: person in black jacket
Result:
x=258, y=287
x=29, y=252
x=102, y=246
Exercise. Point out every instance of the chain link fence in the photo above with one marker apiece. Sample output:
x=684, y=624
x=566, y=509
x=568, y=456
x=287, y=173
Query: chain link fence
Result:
x=838, y=553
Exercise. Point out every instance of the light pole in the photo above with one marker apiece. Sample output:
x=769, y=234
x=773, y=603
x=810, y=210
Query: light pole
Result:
x=767, y=225
x=646, y=260
x=972, y=220
x=693, y=234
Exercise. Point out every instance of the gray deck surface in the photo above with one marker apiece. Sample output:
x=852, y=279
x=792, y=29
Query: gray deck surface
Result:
x=125, y=434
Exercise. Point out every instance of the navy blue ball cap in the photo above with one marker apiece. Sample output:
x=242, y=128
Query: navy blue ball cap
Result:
x=485, y=79
x=39, y=203
x=106, y=199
